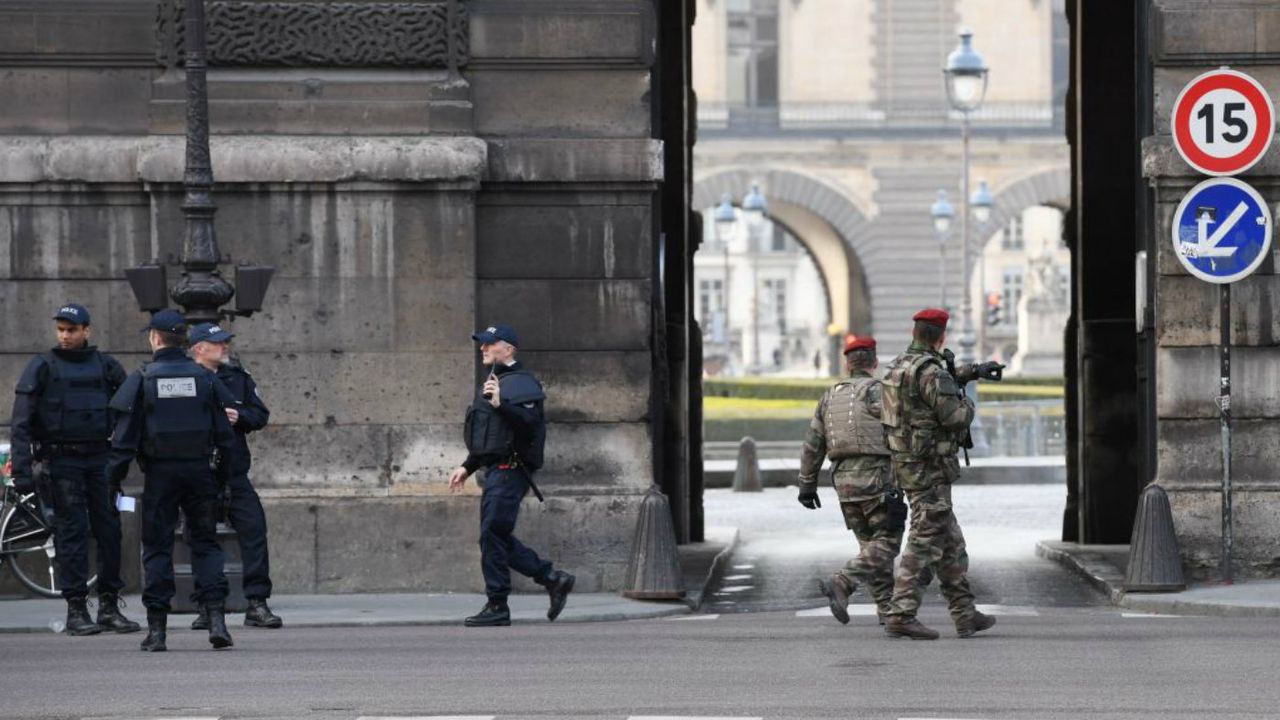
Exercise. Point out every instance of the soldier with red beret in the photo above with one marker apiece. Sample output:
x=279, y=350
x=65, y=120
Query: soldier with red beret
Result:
x=925, y=414
x=846, y=427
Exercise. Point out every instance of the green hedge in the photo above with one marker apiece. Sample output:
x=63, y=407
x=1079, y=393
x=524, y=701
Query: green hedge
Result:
x=1020, y=388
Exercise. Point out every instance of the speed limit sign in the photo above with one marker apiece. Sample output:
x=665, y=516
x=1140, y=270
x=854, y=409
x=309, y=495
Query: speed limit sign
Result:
x=1223, y=122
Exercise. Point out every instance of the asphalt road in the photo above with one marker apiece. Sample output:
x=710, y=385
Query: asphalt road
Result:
x=769, y=650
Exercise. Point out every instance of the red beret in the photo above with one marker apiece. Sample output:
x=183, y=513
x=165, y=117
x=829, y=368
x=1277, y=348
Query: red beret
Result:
x=933, y=316
x=853, y=342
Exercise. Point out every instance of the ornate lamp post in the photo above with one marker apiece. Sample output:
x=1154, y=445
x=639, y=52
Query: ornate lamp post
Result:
x=966, y=80
x=755, y=207
x=982, y=202
x=725, y=217
x=942, y=213
x=201, y=291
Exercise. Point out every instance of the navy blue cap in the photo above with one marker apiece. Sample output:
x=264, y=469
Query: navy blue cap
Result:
x=208, y=332
x=494, y=333
x=167, y=321
x=73, y=313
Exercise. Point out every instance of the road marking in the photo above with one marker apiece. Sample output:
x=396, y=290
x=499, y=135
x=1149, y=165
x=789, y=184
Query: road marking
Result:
x=690, y=717
x=1146, y=615
x=1009, y=610
x=426, y=717
x=735, y=589
x=713, y=616
x=859, y=609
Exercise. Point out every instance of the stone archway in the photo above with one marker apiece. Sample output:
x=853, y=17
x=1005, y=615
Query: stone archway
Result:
x=825, y=220
x=1050, y=187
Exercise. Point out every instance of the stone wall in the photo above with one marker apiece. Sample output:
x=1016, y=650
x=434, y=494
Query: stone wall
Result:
x=402, y=207
x=1191, y=40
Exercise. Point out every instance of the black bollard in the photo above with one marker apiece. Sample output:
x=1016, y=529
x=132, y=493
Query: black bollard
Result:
x=653, y=572
x=1155, y=564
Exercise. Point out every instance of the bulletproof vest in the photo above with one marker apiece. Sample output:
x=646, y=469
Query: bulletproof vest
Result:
x=851, y=427
x=911, y=426
x=73, y=406
x=487, y=434
x=178, y=402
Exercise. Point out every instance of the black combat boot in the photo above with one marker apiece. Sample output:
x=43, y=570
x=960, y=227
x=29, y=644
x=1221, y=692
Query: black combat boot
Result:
x=559, y=584
x=219, y=637
x=78, y=622
x=110, y=617
x=494, y=613
x=837, y=597
x=975, y=624
x=259, y=615
x=202, y=619
x=156, y=622
x=898, y=626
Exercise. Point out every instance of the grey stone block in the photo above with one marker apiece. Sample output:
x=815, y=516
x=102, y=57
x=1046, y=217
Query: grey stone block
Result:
x=614, y=33
x=564, y=241
x=69, y=238
x=571, y=314
x=108, y=101
x=552, y=103
x=422, y=456
x=1186, y=311
x=322, y=458
x=1255, y=452
x=30, y=102
x=1186, y=382
x=1254, y=316
x=400, y=389
x=593, y=386
x=1198, y=518
x=599, y=457
x=26, y=324
x=1188, y=453
x=1255, y=382
x=292, y=543
x=565, y=160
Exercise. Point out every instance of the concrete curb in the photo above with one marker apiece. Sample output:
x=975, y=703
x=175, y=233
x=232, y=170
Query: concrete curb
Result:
x=716, y=571
x=1098, y=565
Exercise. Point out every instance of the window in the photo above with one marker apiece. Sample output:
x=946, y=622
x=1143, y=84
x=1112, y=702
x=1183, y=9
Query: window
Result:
x=1013, y=238
x=1011, y=284
x=779, y=243
x=710, y=298
x=753, y=53
x=775, y=293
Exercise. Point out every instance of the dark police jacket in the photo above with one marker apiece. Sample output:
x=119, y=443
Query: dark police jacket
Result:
x=175, y=393
x=253, y=412
x=522, y=414
x=63, y=397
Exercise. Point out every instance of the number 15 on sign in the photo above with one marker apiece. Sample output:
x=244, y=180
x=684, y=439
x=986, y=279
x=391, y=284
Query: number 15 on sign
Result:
x=1223, y=122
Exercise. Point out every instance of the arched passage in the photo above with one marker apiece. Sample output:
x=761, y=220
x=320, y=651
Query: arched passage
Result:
x=825, y=220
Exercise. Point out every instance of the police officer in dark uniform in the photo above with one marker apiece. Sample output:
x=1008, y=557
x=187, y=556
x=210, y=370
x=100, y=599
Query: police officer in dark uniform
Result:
x=173, y=420
x=61, y=417
x=505, y=432
x=210, y=347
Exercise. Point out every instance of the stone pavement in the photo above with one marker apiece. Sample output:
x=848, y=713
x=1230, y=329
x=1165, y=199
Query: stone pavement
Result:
x=1104, y=566
x=699, y=563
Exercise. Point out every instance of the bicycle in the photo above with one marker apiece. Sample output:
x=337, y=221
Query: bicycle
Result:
x=26, y=538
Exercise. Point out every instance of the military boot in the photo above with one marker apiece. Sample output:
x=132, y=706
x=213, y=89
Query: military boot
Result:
x=202, y=619
x=975, y=624
x=899, y=627
x=559, y=584
x=219, y=637
x=78, y=622
x=156, y=621
x=110, y=617
x=494, y=613
x=259, y=615
x=837, y=596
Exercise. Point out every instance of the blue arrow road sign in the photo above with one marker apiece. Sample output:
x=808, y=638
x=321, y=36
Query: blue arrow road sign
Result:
x=1222, y=230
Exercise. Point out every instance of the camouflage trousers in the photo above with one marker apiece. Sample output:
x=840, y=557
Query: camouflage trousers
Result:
x=935, y=544
x=878, y=523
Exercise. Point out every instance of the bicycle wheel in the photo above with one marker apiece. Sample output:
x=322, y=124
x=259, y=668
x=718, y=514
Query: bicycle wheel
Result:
x=26, y=542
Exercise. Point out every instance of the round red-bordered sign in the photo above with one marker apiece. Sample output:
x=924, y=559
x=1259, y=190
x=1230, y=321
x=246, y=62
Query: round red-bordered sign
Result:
x=1223, y=122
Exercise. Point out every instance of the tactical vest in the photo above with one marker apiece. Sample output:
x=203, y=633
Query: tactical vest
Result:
x=911, y=427
x=73, y=406
x=488, y=435
x=178, y=401
x=851, y=427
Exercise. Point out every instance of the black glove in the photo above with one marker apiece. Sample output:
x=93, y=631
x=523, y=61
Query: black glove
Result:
x=809, y=497
x=989, y=371
x=24, y=484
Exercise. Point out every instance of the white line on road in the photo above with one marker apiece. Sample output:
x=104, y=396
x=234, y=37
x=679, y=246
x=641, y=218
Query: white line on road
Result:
x=1009, y=610
x=426, y=717
x=1146, y=615
x=686, y=618
x=689, y=717
x=857, y=610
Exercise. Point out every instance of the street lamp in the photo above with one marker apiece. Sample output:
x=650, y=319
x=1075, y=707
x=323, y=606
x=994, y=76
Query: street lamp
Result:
x=755, y=207
x=725, y=217
x=981, y=202
x=966, y=81
x=942, y=213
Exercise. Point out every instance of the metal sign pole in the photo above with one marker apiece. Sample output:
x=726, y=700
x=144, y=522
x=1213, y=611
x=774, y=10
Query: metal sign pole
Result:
x=1224, y=405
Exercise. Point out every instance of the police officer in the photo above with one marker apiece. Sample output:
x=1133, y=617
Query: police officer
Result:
x=925, y=414
x=61, y=417
x=174, y=421
x=505, y=432
x=210, y=347
x=846, y=427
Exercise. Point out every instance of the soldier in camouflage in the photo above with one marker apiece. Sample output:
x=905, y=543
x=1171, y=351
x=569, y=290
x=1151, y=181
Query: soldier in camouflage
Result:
x=925, y=414
x=846, y=427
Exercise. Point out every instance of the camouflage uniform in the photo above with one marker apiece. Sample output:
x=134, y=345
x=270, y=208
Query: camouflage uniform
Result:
x=925, y=413
x=846, y=426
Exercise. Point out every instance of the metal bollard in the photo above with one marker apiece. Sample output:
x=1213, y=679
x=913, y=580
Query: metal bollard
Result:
x=653, y=572
x=746, y=476
x=1155, y=565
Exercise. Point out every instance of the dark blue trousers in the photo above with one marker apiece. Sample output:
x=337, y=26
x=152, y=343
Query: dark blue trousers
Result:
x=187, y=485
x=83, y=504
x=500, y=551
x=250, y=521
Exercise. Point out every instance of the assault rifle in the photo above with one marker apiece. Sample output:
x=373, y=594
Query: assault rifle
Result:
x=987, y=371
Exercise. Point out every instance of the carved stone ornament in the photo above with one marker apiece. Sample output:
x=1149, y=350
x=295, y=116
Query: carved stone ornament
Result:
x=297, y=33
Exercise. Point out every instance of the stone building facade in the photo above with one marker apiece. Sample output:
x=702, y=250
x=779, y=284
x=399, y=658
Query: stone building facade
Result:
x=414, y=169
